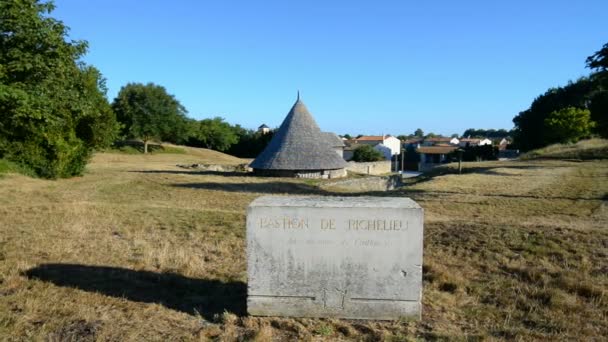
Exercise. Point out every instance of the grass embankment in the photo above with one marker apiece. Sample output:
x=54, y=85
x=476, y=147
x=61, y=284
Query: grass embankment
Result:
x=582, y=150
x=138, y=249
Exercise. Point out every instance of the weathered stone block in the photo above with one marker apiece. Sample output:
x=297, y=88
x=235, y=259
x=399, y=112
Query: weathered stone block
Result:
x=348, y=257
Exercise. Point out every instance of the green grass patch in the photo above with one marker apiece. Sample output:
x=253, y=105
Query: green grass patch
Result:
x=136, y=147
x=7, y=166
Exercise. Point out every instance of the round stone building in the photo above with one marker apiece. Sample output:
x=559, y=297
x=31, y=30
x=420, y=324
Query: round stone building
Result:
x=299, y=149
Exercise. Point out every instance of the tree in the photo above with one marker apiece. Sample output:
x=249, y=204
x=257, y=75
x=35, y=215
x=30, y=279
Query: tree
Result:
x=569, y=125
x=366, y=153
x=599, y=101
x=419, y=133
x=347, y=136
x=599, y=112
x=214, y=134
x=250, y=142
x=53, y=109
x=599, y=60
x=486, y=133
x=148, y=112
x=530, y=131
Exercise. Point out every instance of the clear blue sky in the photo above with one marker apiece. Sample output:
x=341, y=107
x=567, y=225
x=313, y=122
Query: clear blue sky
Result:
x=367, y=67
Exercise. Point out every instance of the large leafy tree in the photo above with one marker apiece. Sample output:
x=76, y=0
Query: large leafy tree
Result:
x=569, y=125
x=214, y=134
x=537, y=126
x=53, y=110
x=599, y=60
x=148, y=112
x=531, y=131
x=250, y=142
x=599, y=101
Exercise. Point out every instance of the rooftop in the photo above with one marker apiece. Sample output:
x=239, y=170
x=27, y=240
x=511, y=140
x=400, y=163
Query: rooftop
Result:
x=436, y=149
x=299, y=144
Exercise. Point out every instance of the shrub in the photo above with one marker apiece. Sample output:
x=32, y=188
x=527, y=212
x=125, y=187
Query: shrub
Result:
x=366, y=153
x=53, y=111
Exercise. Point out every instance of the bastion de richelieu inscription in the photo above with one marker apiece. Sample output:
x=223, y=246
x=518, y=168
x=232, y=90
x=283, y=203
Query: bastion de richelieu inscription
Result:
x=348, y=257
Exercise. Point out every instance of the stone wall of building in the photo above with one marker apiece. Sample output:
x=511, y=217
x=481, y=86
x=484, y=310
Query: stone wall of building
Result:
x=370, y=168
x=323, y=174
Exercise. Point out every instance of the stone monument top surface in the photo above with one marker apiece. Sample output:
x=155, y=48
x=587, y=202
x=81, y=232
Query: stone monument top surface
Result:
x=335, y=202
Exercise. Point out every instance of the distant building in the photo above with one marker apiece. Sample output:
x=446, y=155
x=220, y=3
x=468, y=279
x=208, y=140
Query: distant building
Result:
x=349, y=150
x=465, y=142
x=299, y=149
x=264, y=129
x=503, y=144
x=389, y=141
x=385, y=150
x=440, y=141
x=432, y=156
x=412, y=143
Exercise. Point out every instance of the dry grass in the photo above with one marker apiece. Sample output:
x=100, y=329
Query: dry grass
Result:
x=584, y=150
x=139, y=249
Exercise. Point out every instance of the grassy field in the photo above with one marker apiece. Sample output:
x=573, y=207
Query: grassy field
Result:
x=138, y=249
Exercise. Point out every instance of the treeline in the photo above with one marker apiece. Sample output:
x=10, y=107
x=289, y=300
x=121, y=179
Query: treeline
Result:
x=493, y=134
x=570, y=113
x=148, y=112
x=54, y=111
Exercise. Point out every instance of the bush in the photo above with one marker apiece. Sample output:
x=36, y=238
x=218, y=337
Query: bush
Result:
x=569, y=125
x=366, y=153
x=7, y=166
x=53, y=110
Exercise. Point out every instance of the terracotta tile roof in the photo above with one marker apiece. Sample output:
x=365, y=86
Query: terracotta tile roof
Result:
x=370, y=138
x=436, y=149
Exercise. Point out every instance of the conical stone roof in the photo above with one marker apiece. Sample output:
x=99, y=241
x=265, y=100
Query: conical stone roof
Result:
x=298, y=144
x=333, y=139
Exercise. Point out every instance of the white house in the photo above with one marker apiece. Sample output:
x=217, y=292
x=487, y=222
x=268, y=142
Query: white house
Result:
x=388, y=141
x=440, y=141
x=264, y=129
x=464, y=142
x=385, y=150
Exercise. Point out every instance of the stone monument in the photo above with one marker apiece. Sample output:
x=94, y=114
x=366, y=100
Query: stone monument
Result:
x=347, y=257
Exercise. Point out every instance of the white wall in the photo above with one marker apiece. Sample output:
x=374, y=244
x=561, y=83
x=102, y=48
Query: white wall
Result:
x=393, y=144
x=385, y=150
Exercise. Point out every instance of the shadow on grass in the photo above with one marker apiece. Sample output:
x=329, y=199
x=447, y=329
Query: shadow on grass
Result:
x=306, y=189
x=197, y=173
x=174, y=291
x=281, y=188
x=430, y=193
x=265, y=188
